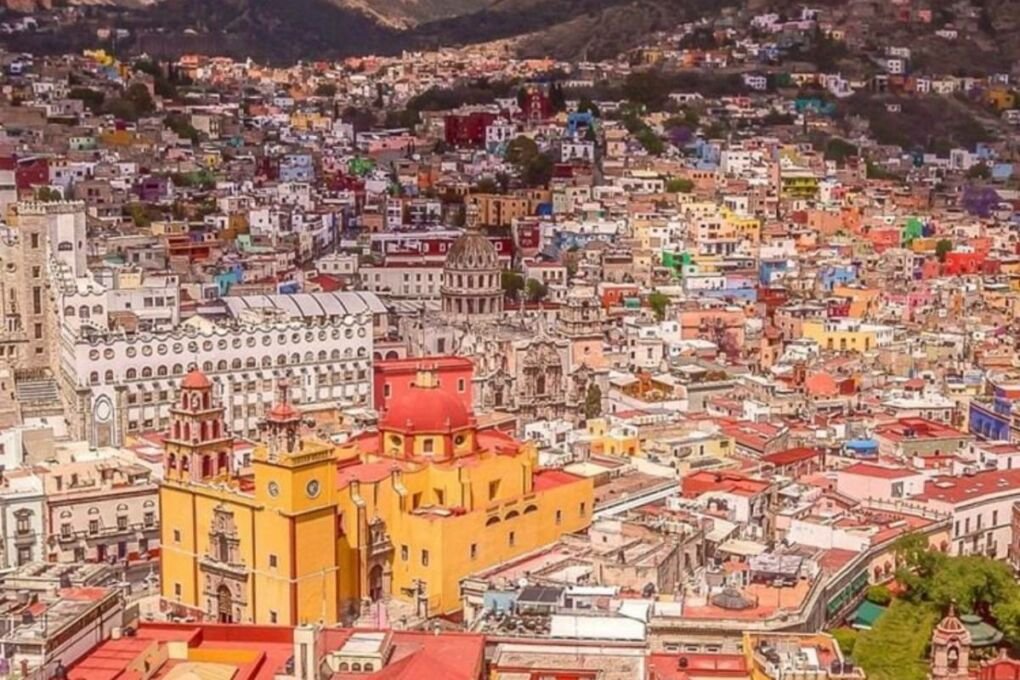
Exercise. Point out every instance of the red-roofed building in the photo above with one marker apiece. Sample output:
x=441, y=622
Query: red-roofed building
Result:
x=864, y=480
x=689, y=666
x=981, y=507
x=905, y=438
x=756, y=439
x=251, y=652
x=795, y=462
x=744, y=498
x=393, y=378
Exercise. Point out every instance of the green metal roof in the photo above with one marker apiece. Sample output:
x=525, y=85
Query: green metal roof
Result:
x=982, y=634
x=866, y=614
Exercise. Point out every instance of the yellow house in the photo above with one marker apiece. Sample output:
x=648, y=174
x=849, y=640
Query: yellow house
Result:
x=317, y=530
x=840, y=334
x=612, y=441
x=742, y=227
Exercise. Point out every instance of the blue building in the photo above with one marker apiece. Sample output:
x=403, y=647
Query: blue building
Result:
x=837, y=275
x=297, y=167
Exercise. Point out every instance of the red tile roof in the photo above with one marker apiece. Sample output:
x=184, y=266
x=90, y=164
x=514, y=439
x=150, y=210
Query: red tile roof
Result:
x=685, y=666
x=790, y=456
x=956, y=490
x=550, y=479
x=878, y=471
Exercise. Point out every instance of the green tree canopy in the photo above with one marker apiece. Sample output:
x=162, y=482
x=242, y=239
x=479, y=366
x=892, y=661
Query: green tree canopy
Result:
x=658, y=302
x=943, y=248
x=327, y=90
x=536, y=290
x=512, y=283
x=679, y=185
x=593, y=401
x=586, y=105
x=92, y=99
x=47, y=195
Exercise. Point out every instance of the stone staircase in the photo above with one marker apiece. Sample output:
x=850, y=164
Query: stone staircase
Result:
x=38, y=396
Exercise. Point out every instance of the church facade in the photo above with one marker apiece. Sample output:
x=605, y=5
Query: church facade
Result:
x=315, y=531
x=525, y=364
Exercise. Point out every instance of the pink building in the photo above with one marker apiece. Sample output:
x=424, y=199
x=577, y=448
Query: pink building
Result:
x=865, y=480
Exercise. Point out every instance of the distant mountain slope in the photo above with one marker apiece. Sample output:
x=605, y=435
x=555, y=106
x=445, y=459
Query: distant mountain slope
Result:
x=289, y=30
x=406, y=14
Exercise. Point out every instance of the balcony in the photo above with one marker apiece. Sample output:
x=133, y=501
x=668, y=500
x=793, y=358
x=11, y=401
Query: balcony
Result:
x=27, y=537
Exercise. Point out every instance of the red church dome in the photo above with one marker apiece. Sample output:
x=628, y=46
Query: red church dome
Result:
x=426, y=410
x=195, y=380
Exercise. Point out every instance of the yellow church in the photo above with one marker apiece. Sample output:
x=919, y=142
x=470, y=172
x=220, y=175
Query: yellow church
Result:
x=315, y=530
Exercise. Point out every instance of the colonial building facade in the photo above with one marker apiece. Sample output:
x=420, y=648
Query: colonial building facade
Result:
x=316, y=531
x=118, y=384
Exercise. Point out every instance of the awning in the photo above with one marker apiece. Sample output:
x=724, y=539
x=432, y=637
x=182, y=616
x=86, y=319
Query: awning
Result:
x=866, y=614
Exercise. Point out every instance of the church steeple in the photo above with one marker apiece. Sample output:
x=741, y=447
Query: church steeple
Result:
x=950, y=649
x=282, y=424
x=198, y=447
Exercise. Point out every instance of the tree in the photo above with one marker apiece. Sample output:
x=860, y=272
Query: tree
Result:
x=847, y=639
x=138, y=95
x=486, y=185
x=931, y=577
x=536, y=290
x=839, y=150
x=679, y=185
x=651, y=142
x=894, y=648
x=180, y=124
x=658, y=302
x=586, y=105
x=48, y=195
x=327, y=90
x=538, y=171
x=979, y=171
x=971, y=583
x=404, y=118
x=943, y=248
x=139, y=214
x=557, y=100
x=512, y=284
x=91, y=99
x=360, y=119
x=593, y=401
x=1007, y=618
x=918, y=564
x=521, y=150
x=879, y=594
